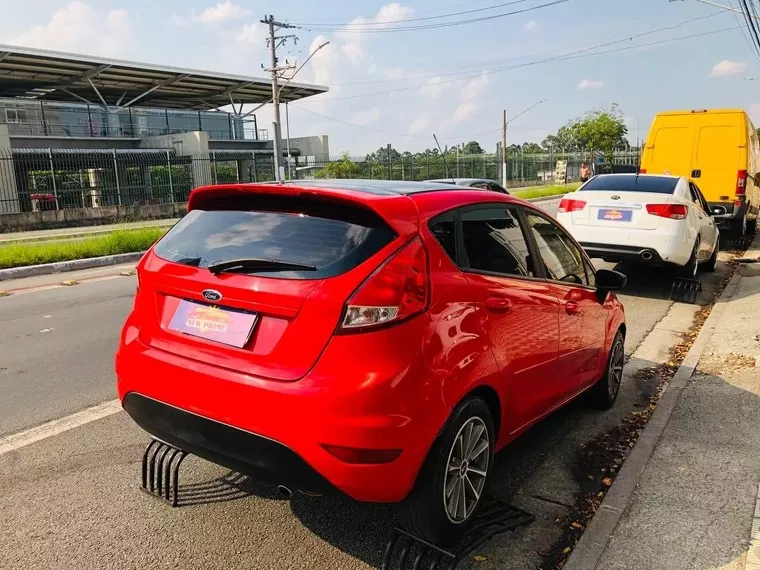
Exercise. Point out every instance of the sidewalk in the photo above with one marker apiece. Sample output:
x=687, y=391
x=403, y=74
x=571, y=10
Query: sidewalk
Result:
x=66, y=233
x=695, y=502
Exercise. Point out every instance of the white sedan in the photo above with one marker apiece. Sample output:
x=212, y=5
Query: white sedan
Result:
x=643, y=218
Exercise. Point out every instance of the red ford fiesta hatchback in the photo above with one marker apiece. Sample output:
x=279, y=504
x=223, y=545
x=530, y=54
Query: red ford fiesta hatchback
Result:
x=379, y=339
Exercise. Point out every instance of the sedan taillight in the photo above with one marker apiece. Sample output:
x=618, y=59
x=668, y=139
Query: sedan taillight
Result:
x=570, y=205
x=672, y=211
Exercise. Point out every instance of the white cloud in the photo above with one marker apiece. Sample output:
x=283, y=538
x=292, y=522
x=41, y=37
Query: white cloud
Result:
x=418, y=125
x=435, y=88
x=528, y=26
x=79, y=28
x=726, y=68
x=464, y=111
x=590, y=84
x=222, y=13
x=475, y=88
x=367, y=117
x=353, y=33
x=251, y=35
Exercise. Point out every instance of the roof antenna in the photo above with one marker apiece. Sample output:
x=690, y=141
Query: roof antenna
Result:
x=446, y=164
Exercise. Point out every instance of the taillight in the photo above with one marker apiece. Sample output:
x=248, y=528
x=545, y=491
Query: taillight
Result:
x=672, y=211
x=570, y=205
x=398, y=290
x=642, y=170
x=741, y=182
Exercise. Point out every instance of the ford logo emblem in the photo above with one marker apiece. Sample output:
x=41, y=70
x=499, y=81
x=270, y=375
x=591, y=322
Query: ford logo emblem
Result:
x=212, y=295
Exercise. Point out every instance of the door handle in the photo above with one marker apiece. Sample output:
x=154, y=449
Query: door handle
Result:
x=498, y=304
x=572, y=308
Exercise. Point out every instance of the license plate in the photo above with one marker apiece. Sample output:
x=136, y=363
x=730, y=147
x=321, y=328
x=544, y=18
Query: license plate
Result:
x=226, y=326
x=615, y=215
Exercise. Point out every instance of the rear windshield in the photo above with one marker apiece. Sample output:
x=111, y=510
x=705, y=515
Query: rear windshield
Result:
x=332, y=238
x=653, y=184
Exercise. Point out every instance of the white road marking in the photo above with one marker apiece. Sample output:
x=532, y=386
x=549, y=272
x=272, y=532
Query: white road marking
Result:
x=49, y=429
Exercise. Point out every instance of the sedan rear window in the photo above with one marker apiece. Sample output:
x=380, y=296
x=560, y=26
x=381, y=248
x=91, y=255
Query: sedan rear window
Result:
x=632, y=183
x=330, y=239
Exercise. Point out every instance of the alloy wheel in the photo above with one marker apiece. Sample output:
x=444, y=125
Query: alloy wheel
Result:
x=466, y=470
x=617, y=360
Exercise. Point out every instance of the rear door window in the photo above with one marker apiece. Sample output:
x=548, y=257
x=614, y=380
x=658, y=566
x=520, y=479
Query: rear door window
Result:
x=494, y=242
x=332, y=238
x=631, y=183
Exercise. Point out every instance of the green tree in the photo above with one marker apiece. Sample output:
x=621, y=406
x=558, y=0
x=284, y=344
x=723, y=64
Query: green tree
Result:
x=602, y=130
x=472, y=147
x=381, y=155
x=564, y=140
x=343, y=168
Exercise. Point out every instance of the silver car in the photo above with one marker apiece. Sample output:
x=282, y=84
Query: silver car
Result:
x=484, y=183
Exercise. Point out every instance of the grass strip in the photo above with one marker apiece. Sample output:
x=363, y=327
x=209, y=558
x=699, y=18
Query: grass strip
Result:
x=543, y=192
x=116, y=242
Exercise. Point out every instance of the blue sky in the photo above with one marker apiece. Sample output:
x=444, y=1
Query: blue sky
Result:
x=399, y=88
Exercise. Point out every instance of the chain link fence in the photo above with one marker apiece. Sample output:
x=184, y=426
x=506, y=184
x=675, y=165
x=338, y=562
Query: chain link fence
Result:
x=42, y=179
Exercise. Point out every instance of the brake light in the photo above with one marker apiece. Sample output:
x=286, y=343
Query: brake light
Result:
x=672, y=211
x=741, y=182
x=396, y=291
x=570, y=205
x=642, y=170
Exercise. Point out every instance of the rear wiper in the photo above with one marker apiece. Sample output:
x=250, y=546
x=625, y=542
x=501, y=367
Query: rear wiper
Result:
x=257, y=265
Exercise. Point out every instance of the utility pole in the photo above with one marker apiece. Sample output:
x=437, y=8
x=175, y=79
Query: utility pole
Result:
x=274, y=42
x=504, y=151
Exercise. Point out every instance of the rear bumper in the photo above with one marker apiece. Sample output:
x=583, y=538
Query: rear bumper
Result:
x=225, y=445
x=654, y=247
x=623, y=253
x=358, y=396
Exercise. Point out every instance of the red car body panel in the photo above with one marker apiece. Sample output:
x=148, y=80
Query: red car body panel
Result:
x=301, y=382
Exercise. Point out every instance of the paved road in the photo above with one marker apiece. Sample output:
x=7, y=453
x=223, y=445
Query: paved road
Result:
x=72, y=501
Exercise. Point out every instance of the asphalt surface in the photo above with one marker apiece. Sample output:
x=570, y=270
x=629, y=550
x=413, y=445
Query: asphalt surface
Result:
x=72, y=500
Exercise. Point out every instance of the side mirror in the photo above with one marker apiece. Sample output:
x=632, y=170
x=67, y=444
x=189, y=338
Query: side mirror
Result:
x=608, y=280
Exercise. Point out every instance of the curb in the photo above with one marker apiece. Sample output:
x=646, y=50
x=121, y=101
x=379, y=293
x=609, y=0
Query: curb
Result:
x=63, y=266
x=593, y=543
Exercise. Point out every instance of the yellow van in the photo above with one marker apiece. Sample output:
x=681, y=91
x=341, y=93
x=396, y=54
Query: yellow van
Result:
x=718, y=150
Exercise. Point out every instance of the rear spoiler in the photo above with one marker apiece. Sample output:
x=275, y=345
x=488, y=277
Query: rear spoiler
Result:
x=398, y=211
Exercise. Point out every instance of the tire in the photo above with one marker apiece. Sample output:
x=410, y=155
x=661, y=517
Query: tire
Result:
x=740, y=226
x=604, y=393
x=424, y=513
x=712, y=263
x=689, y=271
x=752, y=226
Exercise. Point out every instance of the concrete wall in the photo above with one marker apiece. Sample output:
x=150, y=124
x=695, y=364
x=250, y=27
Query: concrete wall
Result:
x=316, y=146
x=77, y=217
x=8, y=189
x=193, y=144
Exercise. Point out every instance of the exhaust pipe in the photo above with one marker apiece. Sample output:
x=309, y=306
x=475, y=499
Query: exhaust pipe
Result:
x=284, y=491
x=646, y=255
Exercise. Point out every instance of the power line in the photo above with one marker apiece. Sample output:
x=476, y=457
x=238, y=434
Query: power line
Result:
x=470, y=68
x=429, y=26
x=569, y=56
x=751, y=45
x=438, y=17
x=751, y=24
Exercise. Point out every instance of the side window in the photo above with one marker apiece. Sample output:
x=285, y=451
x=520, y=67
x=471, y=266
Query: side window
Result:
x=442, y=228
x=497, y=188
x=561, y=257
x=494, y=242
x=481, y=185
x=695, y=195
x=702, y=201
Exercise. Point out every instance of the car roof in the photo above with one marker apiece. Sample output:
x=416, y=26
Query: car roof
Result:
x=381, y=187
x=634, y=175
